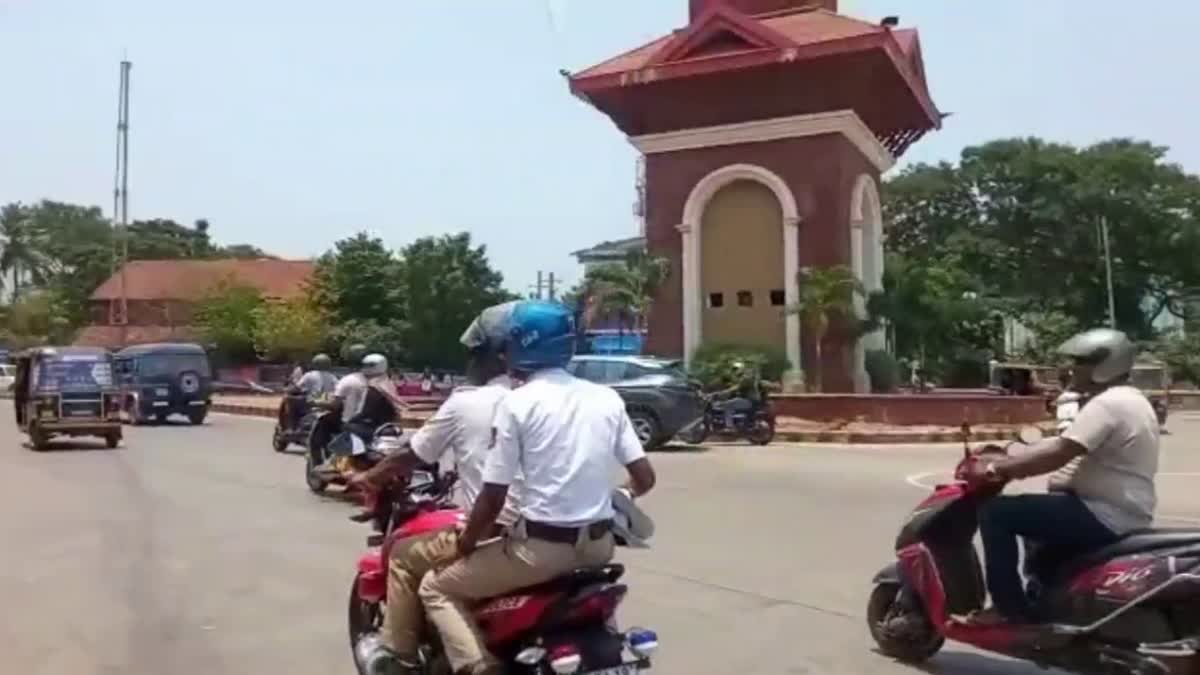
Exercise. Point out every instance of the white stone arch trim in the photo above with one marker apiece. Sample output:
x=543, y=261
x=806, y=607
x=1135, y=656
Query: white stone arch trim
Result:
x=693, y=215
x=866, y=261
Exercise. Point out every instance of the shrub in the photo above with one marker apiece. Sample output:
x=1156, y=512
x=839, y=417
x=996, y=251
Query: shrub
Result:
x=712, y=364
x=883, y=369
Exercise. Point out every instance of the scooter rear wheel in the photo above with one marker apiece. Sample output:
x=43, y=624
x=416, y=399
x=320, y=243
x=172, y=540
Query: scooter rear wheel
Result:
x=920, y=643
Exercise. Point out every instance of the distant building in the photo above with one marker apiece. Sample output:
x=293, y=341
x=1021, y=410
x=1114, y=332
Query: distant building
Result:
x=161, y=296
x=608, y=252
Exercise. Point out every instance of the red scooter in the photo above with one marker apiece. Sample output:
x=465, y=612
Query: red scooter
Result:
x=1130, y=607
x=564, y=626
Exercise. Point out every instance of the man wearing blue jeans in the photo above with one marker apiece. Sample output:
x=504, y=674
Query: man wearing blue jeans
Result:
x=1102, y=485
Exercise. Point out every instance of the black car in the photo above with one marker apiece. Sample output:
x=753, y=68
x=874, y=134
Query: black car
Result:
x=660, y=398
x=160, y=380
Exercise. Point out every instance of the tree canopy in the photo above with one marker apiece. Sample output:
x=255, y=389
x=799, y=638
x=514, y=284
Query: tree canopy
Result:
x=1013, y=230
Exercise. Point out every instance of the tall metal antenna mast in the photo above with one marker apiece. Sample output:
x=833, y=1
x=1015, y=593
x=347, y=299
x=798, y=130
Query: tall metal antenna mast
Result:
x=119, y=310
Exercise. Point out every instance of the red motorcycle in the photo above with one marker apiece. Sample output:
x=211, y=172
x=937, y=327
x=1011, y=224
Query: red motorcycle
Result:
x=564, y=626
x=1130, y=607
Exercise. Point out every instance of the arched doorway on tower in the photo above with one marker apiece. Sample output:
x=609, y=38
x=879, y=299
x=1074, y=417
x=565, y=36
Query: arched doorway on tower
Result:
x=742, y=278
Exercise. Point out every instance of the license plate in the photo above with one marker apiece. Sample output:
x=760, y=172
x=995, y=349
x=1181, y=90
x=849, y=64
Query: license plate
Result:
x=162, y=392
x=161, y=404
x=627, y=669
x=80, y=413
x=195, y=402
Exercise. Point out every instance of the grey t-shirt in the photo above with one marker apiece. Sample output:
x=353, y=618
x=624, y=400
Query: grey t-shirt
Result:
x=1116, y=477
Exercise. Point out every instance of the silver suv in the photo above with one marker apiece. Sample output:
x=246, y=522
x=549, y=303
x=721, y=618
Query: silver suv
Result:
x=660, y=398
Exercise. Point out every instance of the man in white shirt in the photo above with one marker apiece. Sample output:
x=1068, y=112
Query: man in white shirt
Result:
x=351, y=390
x=562, y=434
x=462, y=429
x=318, y=382
x=1102, y=483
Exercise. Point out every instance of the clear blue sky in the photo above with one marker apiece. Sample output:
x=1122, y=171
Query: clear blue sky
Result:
x=291, y=124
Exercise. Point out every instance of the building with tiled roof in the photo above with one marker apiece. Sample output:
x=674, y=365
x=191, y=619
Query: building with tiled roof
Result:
x=161, y=296
x=765, y=127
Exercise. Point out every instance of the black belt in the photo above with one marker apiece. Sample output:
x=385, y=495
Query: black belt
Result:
x=566, y=535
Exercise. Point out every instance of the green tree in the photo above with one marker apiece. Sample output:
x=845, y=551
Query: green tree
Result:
x=446, y=282
x=628, y=289
x=21, y=258
x=1022, y=218
x=358, y=281
x=227, y=318
x=826, y=294
x=288, y=331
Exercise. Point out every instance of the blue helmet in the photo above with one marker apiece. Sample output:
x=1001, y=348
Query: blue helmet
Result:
x=535, y=335
x=541, y=336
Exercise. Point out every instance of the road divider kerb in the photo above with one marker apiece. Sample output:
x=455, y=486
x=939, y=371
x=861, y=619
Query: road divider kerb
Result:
x=781, y=435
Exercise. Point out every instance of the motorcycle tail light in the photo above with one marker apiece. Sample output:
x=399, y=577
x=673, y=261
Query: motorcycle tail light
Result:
x=530, y=656
x=600, y=603
x=642, y=642
x=565, y=659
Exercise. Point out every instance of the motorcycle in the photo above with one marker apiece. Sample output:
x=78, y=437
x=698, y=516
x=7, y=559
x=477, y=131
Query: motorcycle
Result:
x=285, y=433
x=756, y=425
x=1130, y=607
x=563, y=626
x=351, y=454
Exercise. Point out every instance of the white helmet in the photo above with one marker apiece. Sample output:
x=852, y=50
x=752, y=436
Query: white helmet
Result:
x=374, y=365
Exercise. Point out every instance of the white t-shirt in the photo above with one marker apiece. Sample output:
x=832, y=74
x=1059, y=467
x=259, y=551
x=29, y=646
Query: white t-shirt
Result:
x=463, y=426
x=352, y=389
x=563, y=434
x=1116, y=477
x=317, y=383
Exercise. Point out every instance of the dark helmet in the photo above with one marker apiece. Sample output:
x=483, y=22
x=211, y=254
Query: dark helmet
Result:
x=1110, y=353
x=355, y=353
x=322, y=362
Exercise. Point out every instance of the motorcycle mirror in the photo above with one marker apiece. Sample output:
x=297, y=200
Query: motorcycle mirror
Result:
x=1030, y=435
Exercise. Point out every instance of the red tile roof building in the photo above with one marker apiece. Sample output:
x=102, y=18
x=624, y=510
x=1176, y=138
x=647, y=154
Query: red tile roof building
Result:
x=161, y=296
x=765, y=126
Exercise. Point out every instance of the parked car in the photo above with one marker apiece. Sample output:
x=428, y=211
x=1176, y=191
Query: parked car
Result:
x=660, y=398
x=159, y=380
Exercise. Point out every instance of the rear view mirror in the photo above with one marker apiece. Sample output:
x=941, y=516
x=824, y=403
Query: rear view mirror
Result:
x=1030, y=435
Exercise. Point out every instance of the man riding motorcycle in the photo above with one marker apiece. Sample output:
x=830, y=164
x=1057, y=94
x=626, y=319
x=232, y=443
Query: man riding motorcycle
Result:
x=314, y=385
x=379, y=405
x=1102, y=485
x=561, y=434
x=746, y=394
x=461, y=427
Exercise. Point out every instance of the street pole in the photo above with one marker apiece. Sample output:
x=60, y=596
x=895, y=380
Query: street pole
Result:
x=551, y=286
x=1112, y=305
x=121, y=203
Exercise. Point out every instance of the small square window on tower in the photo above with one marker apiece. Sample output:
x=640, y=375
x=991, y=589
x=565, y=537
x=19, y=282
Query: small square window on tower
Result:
x=745, y=299
x=778, y=298
x=716, y=300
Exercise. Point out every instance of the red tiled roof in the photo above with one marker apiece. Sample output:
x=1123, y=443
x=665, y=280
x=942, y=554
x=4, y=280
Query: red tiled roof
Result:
x=192, y=279
x=109, y=337
x=801, y=27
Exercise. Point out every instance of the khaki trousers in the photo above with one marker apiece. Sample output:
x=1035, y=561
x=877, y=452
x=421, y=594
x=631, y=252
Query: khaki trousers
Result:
x=492, y=570
x=411, y=559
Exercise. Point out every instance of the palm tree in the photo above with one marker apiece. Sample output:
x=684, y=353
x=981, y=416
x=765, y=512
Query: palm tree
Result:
x=19, y=255
x=826, y=293
x=628, y=289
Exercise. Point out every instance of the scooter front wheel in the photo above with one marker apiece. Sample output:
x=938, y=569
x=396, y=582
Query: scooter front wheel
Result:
x=904, y=634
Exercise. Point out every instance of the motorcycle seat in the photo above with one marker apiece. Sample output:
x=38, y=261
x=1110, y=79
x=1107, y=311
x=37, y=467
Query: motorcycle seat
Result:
x=1141, y=541
x=576, y=578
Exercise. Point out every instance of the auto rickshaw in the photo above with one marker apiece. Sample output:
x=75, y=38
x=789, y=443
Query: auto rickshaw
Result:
x=1021, y=379
x=66, y=391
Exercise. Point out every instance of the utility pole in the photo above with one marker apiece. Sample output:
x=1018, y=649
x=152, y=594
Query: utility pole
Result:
x=550, y=286
x=120, y=219
x=1112, y=305
x=537, y=290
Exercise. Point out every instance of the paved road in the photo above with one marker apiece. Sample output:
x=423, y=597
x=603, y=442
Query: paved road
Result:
x=198, y=550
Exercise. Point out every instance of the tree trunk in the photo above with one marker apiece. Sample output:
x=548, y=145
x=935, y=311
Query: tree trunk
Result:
x=818, y=338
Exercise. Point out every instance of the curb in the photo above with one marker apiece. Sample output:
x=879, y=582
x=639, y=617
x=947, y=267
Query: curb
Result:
x=834, y=437
x=270, y=413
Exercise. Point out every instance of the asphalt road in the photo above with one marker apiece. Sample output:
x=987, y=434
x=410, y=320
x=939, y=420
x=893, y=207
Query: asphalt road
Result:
x=199, y=550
